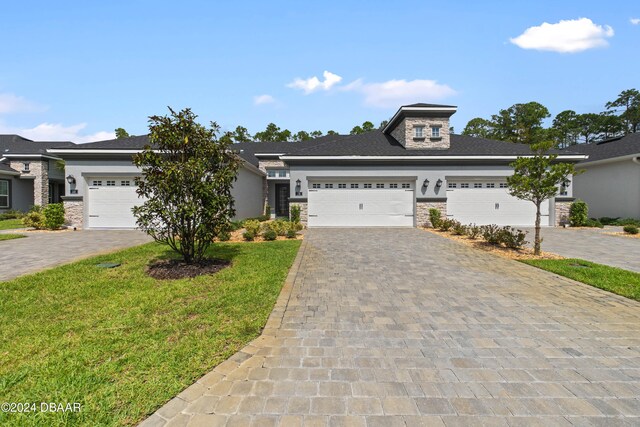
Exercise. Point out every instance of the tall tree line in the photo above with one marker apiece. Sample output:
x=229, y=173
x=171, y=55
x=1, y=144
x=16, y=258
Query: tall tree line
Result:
x=273, y=133
x=524, y=123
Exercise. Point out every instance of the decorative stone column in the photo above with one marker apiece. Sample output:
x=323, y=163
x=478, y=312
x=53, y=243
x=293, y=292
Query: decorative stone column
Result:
x=422, y=210
x=304, y=214
x=562, y=206
x=73, y=211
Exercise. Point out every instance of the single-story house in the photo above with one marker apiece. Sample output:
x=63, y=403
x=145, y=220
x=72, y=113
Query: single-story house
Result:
x=100, y=186
x=386, y=177
x=610, y=183
x=28, y=174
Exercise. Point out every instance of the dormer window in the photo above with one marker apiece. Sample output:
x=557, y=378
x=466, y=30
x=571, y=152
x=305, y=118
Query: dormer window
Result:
x=435, y=132
x=418, y=131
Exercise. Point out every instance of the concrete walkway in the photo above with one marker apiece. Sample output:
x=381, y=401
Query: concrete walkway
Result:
x=592, y=244
x=40, y=250
x=394, y=327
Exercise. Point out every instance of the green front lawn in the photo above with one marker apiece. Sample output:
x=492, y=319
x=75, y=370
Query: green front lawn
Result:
x=9, y=224
x=612, y=279
x=122, y=344
x=11, y=236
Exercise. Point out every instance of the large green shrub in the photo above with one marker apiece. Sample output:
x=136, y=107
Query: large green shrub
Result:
x=512, y=238
x=578, y=213
x=53, y=216
x=295, y=213
x=269, y=234
x=435, y=217
x=630, y=229
x=248, y=236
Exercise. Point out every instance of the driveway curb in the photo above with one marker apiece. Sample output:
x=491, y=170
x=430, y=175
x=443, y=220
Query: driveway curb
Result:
x=246, y=356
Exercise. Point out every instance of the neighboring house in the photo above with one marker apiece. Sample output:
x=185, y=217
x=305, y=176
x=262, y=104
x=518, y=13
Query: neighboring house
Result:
x=610, y=183
x=101, y=184
x=388, y=177
x=28, y=174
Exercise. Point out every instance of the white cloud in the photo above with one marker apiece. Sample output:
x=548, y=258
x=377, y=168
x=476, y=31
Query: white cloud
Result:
x=58, y=132
x=10, y=103
x=567, y=36
x=263, y=99
x=313, y=83
x=396, y=92
x=635, y=21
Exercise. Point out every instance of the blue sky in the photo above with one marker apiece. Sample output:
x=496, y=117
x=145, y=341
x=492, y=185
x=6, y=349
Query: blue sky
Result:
x=80, y=69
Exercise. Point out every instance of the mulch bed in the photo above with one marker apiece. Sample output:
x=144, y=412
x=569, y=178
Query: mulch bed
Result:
x=173, y=269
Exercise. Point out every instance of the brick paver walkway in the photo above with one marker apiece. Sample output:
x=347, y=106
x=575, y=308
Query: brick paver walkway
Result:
x=40, y=250
x=401, y=327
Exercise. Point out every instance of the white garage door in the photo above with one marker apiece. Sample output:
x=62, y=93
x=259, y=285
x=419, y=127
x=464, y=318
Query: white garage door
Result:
x=110, y=201
x=361, y=204
x=490, y=203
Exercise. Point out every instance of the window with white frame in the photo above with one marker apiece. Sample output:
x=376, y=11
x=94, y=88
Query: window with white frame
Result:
x=452, y=185
x=406, y=185
x=111, y=183
x=315, y=185
x=379, y=185
x=491, y=185
x=282, y=174
x=418, y=131
x=328, y=186
x=26, y=167
x=271, y=173
x=96, y=182
x=503, y=185
x=342, y=185
x=393, y=185
x=367, y=186
x=477, y=185
x=354, y=185
x=464, y=185
x=4, y=193
x=435, y=132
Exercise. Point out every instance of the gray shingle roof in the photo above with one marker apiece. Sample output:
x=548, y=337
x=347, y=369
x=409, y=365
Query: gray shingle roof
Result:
x=6, y=168
x=610, y=148
x=16, y=144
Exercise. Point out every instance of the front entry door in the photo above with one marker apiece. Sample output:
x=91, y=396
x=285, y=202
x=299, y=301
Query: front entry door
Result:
x=282, y=200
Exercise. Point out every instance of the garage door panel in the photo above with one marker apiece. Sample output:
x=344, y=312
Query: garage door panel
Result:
x=110, y=207
x=361, y=208
x=491, y=206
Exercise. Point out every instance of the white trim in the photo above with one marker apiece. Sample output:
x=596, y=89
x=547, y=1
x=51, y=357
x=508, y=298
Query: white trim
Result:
x=568, y=157
x=269, y=154
x=91, y=151
x=609, y=160
x=29, y=156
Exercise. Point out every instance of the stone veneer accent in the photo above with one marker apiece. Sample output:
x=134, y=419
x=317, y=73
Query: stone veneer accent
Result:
x=403, y=133
x=422, y=212
x=74, y=213
x=562, y=213
x=304, y=213
x=39, y=169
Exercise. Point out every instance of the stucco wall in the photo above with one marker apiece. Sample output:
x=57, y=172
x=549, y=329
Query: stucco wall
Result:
x=21, y=193
x=610, y=189
x=247, y=192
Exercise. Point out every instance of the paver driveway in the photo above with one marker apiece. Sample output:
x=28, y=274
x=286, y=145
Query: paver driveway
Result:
x=390, y=327
x=593, y=245
x=43, y=250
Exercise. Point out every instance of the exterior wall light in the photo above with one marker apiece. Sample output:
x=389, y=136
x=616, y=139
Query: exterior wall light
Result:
x=439, y=183
x=71, y=179
x=298, y=182
x=425, y=184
